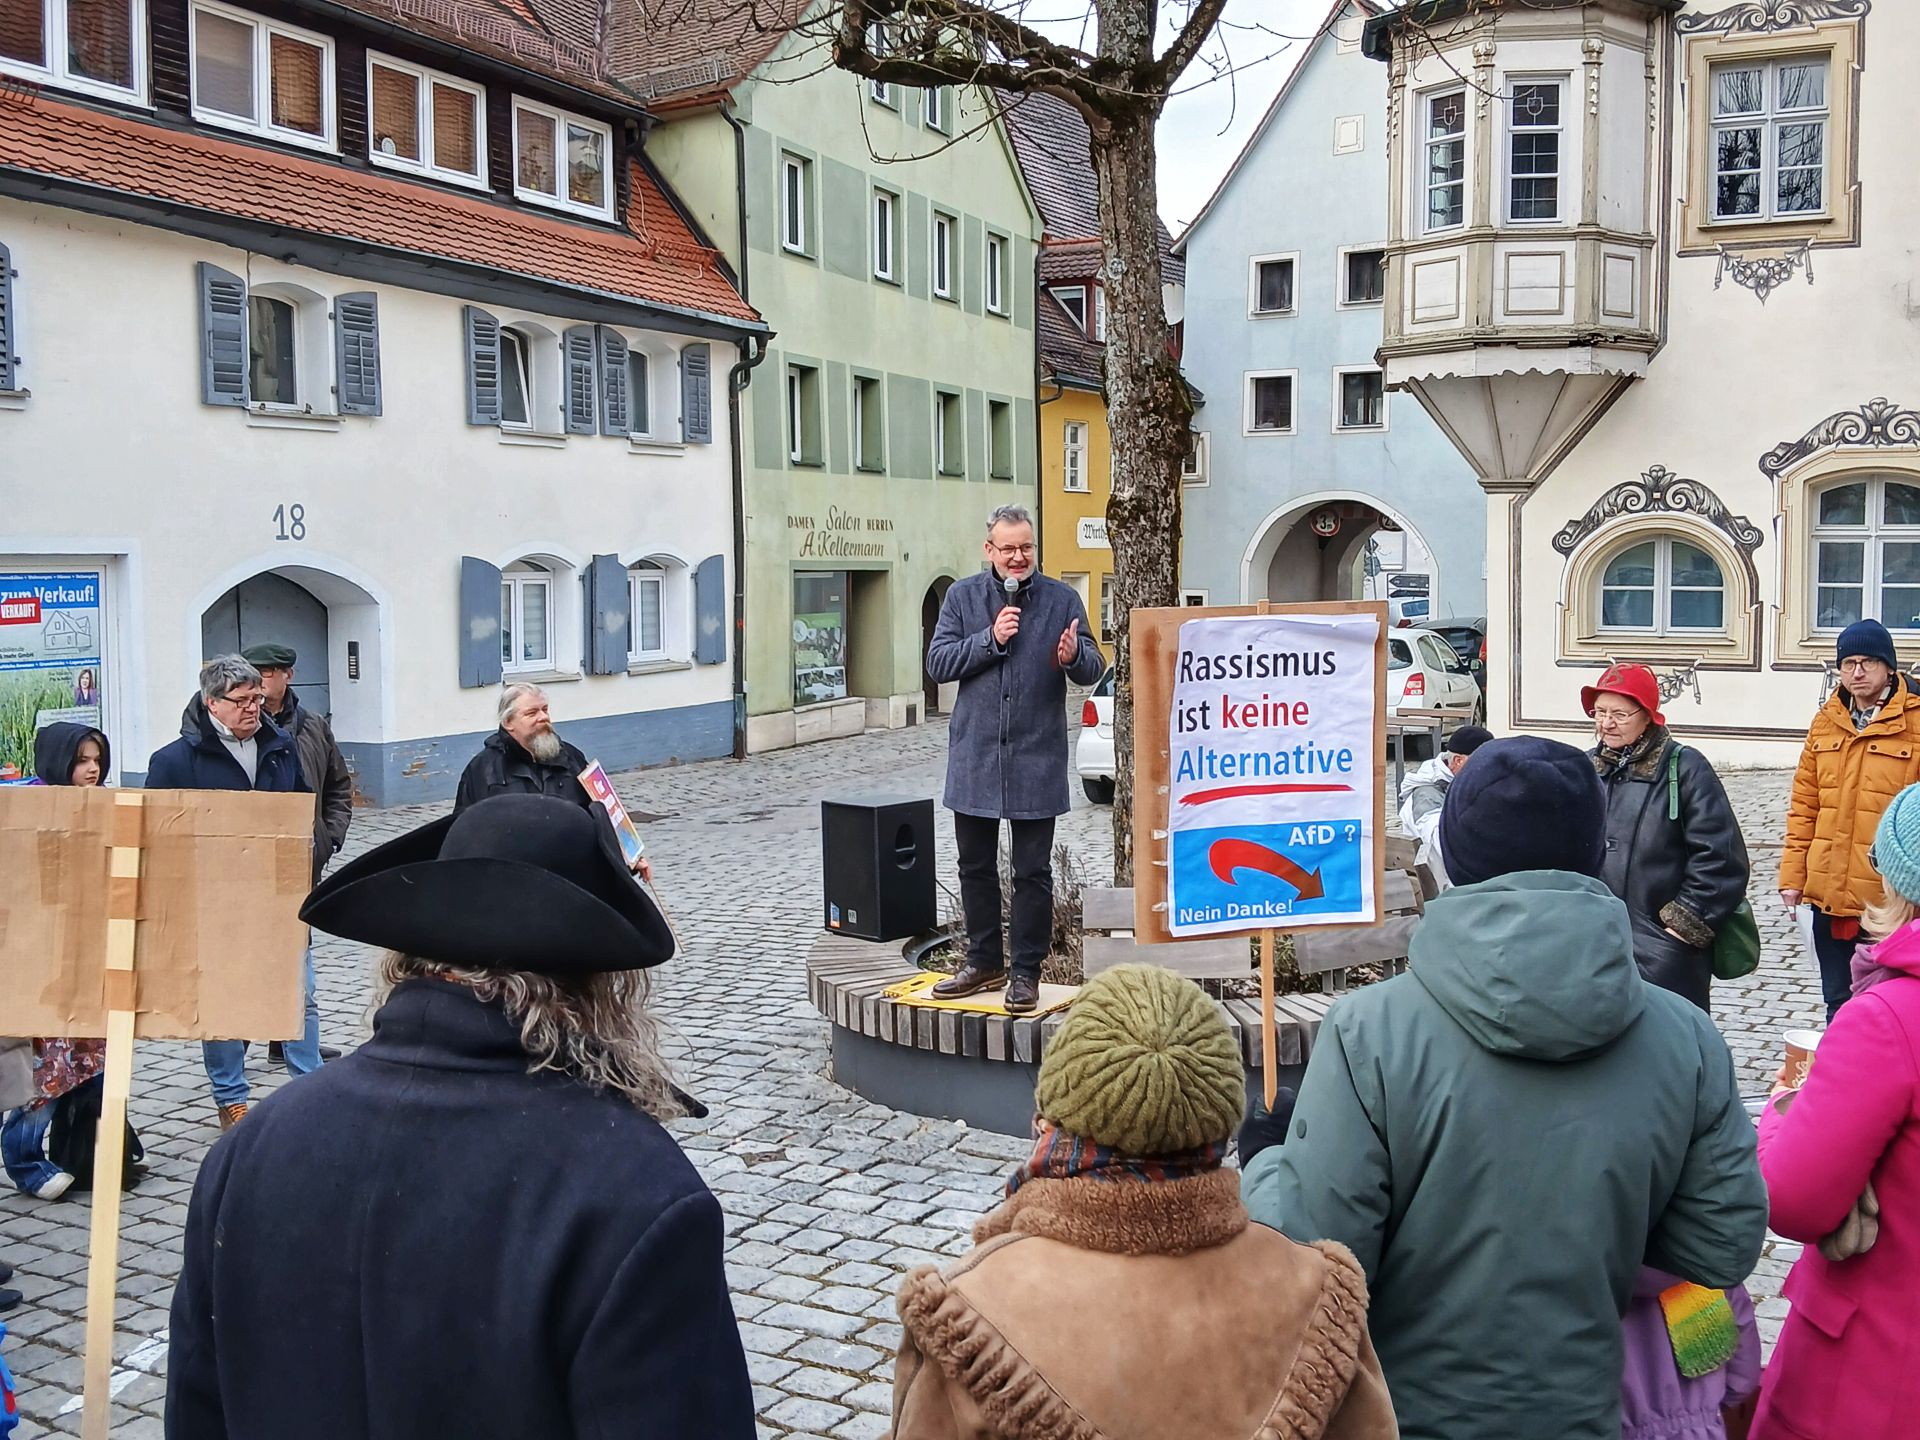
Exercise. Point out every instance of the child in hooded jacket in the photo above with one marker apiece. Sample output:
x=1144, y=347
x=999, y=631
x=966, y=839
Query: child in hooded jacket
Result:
x=1692, y=1354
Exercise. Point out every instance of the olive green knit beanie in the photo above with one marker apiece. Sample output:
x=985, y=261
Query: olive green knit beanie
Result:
x=1144, y=1063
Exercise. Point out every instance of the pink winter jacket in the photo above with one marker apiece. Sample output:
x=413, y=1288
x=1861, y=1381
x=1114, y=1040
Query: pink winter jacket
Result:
x=1847, y=1366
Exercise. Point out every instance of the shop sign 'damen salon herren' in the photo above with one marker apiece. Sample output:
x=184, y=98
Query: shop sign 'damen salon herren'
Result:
x=1271, y=801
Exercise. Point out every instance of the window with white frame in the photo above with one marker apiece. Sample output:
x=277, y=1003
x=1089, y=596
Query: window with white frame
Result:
x=943, y=231
x=516, y=380
x=94, y=46
x=1363, y=400
x=1193, y=464
x=1866, y=560
x=949, y=434
x=424, y=121
x=804, y=427
x=1533, y=151
x=996, y=274
x=1270, y=285
x=1269, y=403
x=1106, y=606
x=289, y=349
x=562, y=160
x=1769, y=138
x=646, y=613
x=1363, y=277
x=869, y=424
x=639, y=392
x=1074, y=459
x=796, y=202
x=254, y=74
x=933, y=108
x=1444, y=125
x=886, y=206
x=1661, y=586
x=879, y=90
x=526, y=617
x=1100, y=313
x=1073, y=300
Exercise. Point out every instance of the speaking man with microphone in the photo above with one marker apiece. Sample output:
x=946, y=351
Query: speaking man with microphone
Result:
x=1012, y=638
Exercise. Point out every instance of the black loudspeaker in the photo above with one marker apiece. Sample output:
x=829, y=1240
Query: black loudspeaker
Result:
x=877, y=864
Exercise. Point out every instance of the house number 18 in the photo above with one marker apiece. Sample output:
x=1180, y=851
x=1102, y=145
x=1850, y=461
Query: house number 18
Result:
x=290, y=522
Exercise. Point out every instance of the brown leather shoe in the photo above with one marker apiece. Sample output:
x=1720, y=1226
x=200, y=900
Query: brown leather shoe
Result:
x=1023, y=995
x=970, y=979
x=231, y=1115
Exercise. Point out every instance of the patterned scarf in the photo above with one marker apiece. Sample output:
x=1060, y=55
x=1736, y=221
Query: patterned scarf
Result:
x=1700, y=1327
x=1607, y=760
x=1060, y=1156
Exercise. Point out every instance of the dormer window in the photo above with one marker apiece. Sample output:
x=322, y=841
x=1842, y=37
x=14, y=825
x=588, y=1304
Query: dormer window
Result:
x=1533, y=151
x=1446, y=159
x=562, y=160
x=1073, y=300
x=426, y=122
x=95, y=46
x=263, y=77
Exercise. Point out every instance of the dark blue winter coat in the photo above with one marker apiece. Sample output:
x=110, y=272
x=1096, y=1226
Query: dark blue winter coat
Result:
x=199, y=761
x=424, y=1240
x=1007, y=741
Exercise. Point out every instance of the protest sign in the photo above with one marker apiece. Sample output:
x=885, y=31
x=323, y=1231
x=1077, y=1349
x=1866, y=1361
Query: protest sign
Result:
x=1271, y=807
x=50, y=658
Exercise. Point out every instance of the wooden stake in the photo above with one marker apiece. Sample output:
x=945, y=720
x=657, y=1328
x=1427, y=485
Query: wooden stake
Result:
x=103, y=1260
x=1269, y=1078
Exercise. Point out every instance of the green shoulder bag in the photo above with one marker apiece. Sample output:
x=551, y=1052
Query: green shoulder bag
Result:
x=1736, y=945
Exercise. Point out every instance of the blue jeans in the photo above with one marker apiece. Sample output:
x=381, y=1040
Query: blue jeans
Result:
x=23, y=1146
x=226, y=1060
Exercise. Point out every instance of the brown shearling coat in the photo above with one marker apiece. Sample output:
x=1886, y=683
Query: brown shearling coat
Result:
x=1102, y=1311
x=1845, y=779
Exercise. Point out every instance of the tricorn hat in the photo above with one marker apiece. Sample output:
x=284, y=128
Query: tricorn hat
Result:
x=514, y=882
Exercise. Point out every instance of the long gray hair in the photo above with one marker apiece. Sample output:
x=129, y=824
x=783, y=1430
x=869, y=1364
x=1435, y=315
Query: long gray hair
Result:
x=595, y=1029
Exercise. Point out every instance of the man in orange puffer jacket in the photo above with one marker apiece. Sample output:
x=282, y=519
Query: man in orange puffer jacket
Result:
x=1862, y=749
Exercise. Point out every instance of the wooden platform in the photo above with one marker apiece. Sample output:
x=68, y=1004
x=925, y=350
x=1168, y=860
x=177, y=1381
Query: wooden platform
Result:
x=845, y=978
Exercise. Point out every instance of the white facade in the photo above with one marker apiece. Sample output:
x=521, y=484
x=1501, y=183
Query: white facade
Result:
x=114, y=464
x=1722, y=506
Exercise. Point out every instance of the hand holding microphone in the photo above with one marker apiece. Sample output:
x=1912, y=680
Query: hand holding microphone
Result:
x=1007, y=623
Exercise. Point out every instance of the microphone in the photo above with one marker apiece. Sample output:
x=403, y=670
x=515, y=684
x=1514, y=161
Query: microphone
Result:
x=1012, y=588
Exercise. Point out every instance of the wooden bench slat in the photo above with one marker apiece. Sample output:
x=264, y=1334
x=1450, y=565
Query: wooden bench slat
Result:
x=1106, y=909
x=1402, y=852
x=1317, y=952
x=1224, y=959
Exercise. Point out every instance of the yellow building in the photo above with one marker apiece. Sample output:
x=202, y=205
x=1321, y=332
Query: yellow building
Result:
x=1076, y=460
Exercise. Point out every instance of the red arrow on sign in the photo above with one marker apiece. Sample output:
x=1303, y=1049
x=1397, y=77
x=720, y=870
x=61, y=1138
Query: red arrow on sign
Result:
x=1227, y=856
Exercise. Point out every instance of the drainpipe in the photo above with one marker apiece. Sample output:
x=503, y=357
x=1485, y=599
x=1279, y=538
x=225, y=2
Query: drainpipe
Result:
x=752, y=351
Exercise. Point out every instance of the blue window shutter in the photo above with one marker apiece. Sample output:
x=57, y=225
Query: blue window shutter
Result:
x=696, y=398
x=479, y=623
x=607, y=612
x=223, y=336
x=616, y=411
x=710, y=610
x=483, y=370
x=581, y=350
x=356, y=352
x=9, y=361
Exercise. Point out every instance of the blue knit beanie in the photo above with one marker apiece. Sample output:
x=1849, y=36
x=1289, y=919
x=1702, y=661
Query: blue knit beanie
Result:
x=1869, y=638
x=1524, y=804
x=1896, y=844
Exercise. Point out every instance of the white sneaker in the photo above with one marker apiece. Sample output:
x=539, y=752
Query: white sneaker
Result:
x=56, y=1187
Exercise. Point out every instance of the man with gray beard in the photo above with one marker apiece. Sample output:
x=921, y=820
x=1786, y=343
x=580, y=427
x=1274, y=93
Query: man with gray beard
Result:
x=524, y=756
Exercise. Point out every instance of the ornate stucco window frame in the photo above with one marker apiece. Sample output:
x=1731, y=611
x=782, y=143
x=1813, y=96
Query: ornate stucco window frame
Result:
x=1768, y=30
x=1800, y=644
x=1659, y=504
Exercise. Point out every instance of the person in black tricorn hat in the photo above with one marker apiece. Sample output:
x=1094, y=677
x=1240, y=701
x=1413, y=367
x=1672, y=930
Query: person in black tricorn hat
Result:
x=474, y=1225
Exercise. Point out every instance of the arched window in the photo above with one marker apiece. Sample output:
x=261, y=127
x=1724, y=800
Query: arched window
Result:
x=516, y=379
x=1663, y=585
x=530, y=379
x=659, y=613
x=1866, y=553
x=526, y=617
x=289, y=349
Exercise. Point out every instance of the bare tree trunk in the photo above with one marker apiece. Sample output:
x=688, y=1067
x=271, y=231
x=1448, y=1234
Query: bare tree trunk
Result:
x=1148, y=414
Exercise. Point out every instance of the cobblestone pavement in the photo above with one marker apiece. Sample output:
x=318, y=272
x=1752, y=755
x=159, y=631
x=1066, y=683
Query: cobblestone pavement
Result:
x=828, y=1198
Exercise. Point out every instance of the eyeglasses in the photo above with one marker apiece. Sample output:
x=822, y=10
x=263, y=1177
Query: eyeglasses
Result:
x=1009, y=551
x=1858, y=667
x=241, y=702
x=1614, y=717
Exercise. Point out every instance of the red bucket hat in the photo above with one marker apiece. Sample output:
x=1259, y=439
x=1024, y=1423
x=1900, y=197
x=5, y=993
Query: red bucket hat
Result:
x=1636, y=682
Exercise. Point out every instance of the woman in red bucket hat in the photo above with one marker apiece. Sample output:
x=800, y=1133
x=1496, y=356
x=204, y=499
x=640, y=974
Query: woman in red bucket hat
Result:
x=1674, y=851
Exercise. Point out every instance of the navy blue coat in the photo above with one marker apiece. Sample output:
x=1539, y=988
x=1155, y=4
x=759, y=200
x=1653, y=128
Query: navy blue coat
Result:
x=1007, y=741
x=422, y=1239
x=199, y=760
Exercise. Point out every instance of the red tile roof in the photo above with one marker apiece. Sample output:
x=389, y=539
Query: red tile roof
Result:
x=681, y=51
x=558, y=39
x=656, y=260
x=1070, y=357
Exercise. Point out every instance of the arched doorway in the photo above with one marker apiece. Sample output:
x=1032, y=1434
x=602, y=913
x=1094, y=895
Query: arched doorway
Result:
x=930, y=605
x=271, y=609
x=1341, y=547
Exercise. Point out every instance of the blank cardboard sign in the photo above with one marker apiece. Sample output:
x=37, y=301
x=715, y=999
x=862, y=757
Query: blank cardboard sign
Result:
x=219, y=947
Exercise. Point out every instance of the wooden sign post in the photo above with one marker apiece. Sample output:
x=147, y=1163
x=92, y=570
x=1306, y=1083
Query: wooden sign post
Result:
x=117, y=930
x=1290, y=697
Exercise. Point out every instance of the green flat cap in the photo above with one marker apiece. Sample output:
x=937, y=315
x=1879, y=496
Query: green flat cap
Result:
x=269, y=657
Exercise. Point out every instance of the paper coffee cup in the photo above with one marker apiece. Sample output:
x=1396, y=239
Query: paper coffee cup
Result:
x=1800, y=1047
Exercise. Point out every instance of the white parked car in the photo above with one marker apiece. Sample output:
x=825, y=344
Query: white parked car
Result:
x=1093, y=754
x=1424, y=672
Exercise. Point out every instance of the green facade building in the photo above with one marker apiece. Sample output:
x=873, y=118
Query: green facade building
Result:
x=889, y=240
